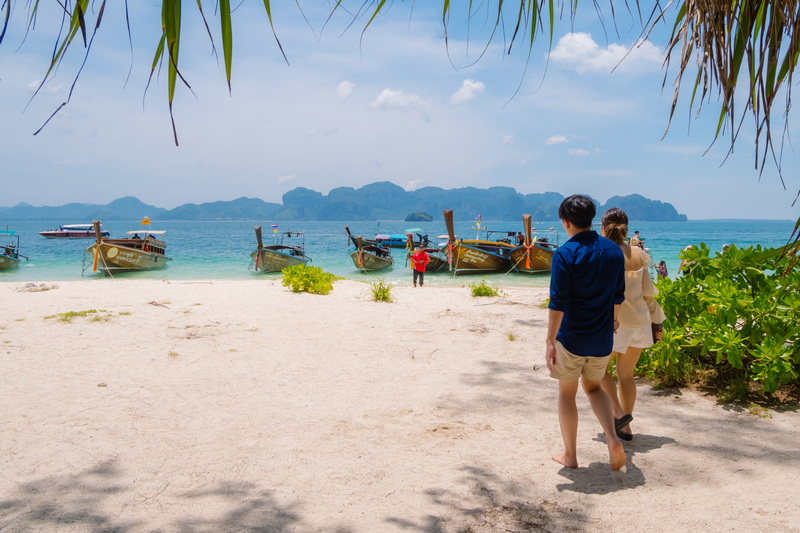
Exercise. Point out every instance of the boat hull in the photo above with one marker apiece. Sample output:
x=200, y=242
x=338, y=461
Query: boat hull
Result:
x=437, y=264
x=540, y=260
x=472, y=259
x=7, y=263
x=116, y=257
x=266, y=260
x=437, y=261
x=369, y=262
x=72, y=234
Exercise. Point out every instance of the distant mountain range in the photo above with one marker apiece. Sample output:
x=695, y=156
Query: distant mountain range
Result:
x=376, y=201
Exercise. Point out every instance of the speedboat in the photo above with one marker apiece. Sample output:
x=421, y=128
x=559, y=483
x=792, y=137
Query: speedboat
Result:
x=73, y=231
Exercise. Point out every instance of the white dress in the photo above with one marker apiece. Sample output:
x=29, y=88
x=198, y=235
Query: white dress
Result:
x=639, y=310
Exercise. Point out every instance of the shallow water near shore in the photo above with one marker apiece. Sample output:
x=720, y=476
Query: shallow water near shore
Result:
x=221, y=249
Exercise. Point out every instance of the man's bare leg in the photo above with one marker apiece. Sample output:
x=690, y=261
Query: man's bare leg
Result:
x=610, y=388
x=568, y=419
x=601, y=405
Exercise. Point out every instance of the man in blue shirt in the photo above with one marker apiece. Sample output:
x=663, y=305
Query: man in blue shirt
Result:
x=587, y=286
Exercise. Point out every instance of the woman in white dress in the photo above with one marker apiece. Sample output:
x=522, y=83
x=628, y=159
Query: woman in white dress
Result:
x=637, y=314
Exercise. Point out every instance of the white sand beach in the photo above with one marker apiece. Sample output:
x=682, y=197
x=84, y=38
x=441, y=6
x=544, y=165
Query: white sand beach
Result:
x=241, y=406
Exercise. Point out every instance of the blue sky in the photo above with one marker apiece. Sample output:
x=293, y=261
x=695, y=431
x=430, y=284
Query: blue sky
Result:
x=391, y=104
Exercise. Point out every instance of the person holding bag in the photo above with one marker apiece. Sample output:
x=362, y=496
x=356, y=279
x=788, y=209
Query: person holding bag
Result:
x=637, y=315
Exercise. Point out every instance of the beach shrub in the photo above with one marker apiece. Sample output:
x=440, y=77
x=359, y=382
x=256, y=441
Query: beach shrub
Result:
x=482, y=288
x=733, y=321
x=304, y=278
x=381, y=291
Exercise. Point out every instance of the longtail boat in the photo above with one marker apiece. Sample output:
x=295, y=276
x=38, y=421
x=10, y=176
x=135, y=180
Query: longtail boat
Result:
x=132, y=253
x=476, y=256
x=397, y=240
x=437, y=256
x=369, y=257
x=276, y=257
x=536, y=253
x=9, y=253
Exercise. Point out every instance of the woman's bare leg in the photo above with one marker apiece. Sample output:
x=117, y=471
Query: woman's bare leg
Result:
x=626, y=363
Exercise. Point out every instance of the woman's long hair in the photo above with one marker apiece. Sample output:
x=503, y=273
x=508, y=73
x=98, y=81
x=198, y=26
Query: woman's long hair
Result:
x=615, y=225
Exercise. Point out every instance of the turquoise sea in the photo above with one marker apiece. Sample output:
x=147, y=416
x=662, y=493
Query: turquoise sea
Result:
x=220, y=250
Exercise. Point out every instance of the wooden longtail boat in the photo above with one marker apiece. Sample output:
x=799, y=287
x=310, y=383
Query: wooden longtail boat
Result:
x=438, y=260
x=128, y=254
x=9, y=253
x=535, y=254
x=369, y=257
x=437, y=256
x=396, y=240
x=476, y=256
x=276, y=257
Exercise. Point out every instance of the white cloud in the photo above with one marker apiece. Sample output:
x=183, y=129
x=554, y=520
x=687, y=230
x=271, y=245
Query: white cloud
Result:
x=579, y=152
x=288, y=177
x=556, y=139
x=468, y=90
x=581, y=52
x=412, y=185
x=507, y=139
x=389, y=99
x=345, y=89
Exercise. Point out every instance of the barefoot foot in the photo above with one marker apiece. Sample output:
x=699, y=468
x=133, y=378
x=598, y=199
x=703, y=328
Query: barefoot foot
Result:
x=561, y=458
x=616, y=453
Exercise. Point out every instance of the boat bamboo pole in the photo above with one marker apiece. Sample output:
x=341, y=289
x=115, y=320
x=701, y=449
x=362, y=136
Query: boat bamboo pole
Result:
x=258, y=237
x=258, y=261
x=526, y=222
x=98, y=241
x=451, y=235
x=350, y=236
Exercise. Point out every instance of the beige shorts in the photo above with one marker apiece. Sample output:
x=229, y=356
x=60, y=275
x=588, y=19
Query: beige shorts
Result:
x=570, y=367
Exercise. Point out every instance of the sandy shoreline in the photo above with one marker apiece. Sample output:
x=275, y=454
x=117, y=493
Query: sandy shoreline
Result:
x=240, y=406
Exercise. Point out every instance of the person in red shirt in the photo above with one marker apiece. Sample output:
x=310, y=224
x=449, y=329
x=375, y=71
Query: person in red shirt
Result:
x=419, y=260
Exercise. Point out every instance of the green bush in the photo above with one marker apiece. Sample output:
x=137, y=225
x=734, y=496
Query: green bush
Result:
x=482, y=288
x=381, y=291
x=733, y=320
x=303, y=278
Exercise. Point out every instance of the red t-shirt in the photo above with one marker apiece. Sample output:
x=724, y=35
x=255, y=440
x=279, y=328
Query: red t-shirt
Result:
x=419, y=260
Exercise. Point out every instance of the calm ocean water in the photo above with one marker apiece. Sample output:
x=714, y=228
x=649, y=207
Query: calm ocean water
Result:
x=221, y=250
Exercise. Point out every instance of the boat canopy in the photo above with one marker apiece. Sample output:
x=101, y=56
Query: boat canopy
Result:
x=397, y=236
x=413, y=230
x=79, y=227
x=148, y=232
x=8, y=233
x=510, y=233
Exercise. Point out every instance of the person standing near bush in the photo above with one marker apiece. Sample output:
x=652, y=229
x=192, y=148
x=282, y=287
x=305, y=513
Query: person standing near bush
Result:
x=419, y=260
x=686, y=264
x=637, y=314
x=586, y=290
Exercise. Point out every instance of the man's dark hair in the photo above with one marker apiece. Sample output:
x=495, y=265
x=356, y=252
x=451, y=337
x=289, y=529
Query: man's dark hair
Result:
x=578, y=209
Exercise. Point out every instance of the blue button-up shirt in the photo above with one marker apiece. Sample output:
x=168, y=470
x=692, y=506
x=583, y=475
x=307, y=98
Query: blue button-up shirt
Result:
x=587, y=280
